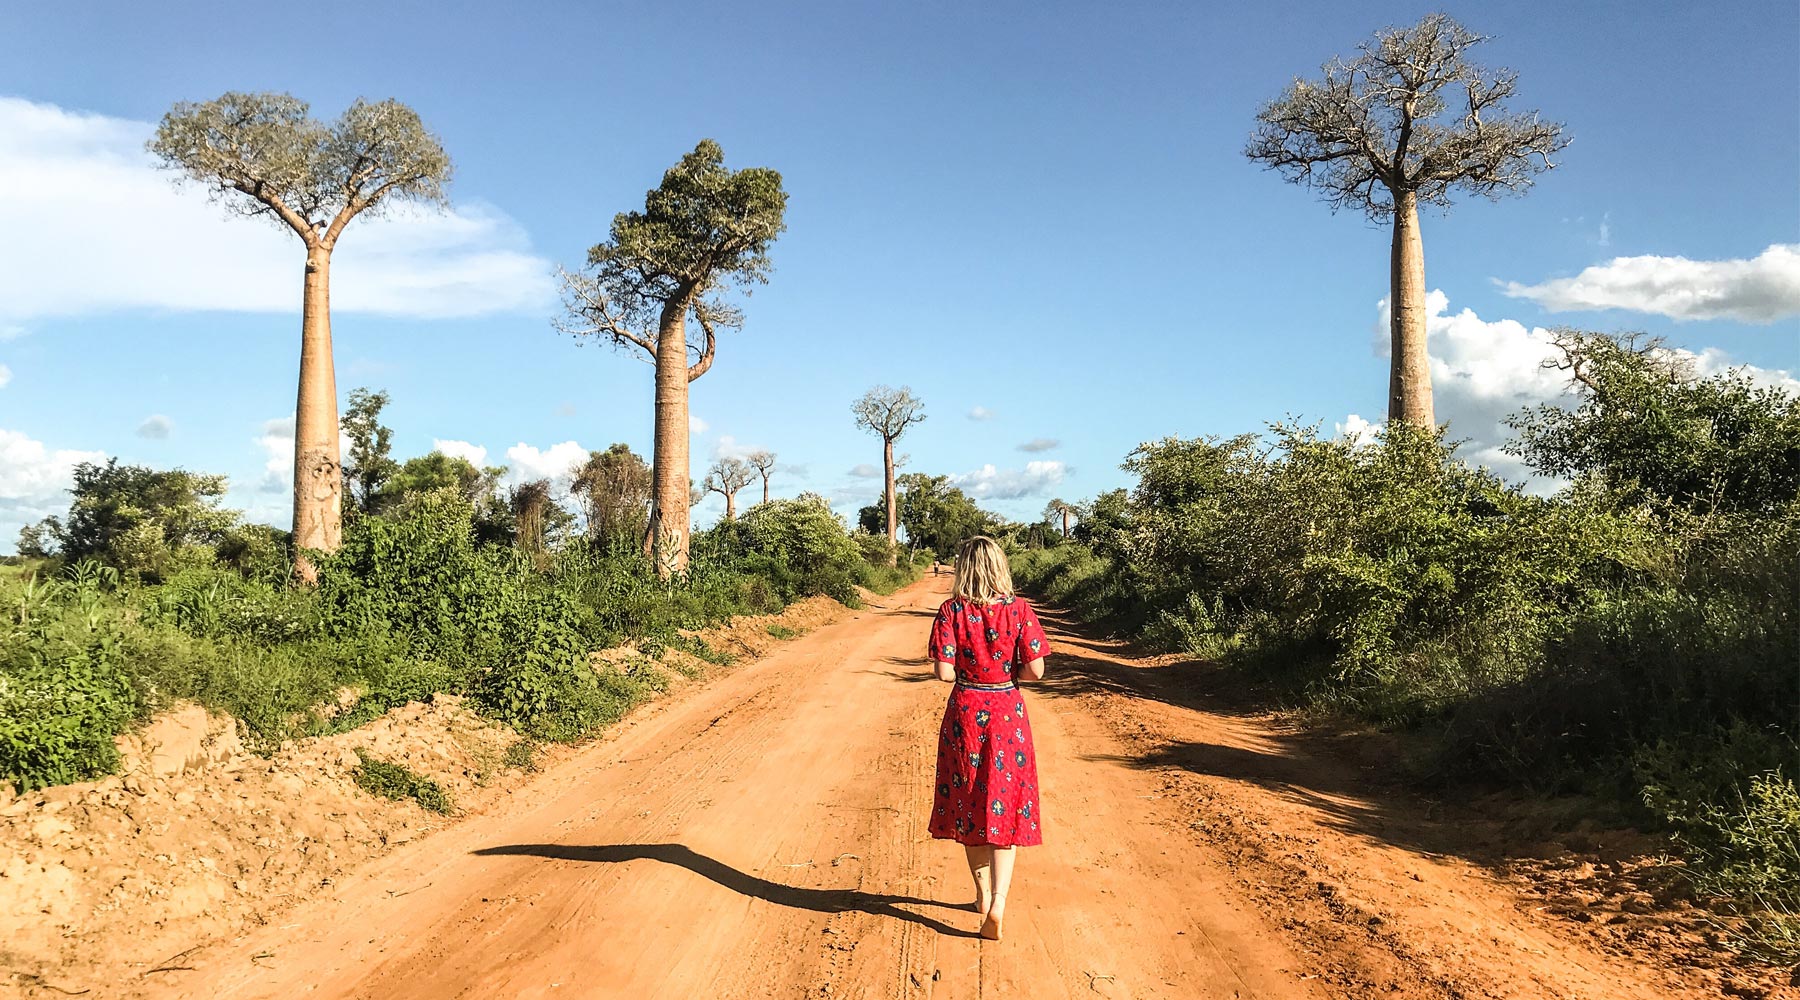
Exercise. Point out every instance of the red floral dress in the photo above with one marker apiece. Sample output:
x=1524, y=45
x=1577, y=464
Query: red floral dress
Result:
x=987, y=784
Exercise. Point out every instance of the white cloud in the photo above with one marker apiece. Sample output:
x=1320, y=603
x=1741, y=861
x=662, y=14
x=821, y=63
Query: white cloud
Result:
x=696, y=425
x=277, y=444
x=866, y=471
x=1040, y=444
x=1762, y=289
x=11, y=331
x=729, y=447
x=5, y=376
x=1358, y=431
x=156, y=427
x=981, y=413
x=112, y=231
x=474, y=453
x=1482, y=371
x=34, y=481
x=990, y=483
x=555, y=463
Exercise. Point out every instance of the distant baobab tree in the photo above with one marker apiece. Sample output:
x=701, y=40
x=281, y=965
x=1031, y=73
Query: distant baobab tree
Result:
x=764, y=464
x=888, y=413
x=726, y=477
x=703, y=228
x=1403, y=124
x=265, y=156
x=1059, y=509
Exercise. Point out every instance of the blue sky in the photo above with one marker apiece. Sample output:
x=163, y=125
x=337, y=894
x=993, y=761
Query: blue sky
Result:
x=1039, y=210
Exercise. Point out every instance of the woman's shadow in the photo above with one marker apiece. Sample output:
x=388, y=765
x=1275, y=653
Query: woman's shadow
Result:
x=817, y=900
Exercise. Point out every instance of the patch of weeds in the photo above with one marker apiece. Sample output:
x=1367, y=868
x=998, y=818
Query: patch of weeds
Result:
x=522, y=755
x=397, y=782
x=698, y=647
x=784, y=633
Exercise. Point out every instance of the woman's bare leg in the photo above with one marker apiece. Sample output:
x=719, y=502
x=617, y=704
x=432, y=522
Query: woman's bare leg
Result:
x=1002, y=876
x=981, y=869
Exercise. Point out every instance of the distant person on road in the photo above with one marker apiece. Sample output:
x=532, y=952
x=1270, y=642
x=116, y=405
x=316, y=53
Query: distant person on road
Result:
x=984, y=639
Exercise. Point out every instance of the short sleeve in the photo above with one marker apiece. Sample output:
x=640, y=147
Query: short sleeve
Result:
x=1033, y=643
x=943, y=637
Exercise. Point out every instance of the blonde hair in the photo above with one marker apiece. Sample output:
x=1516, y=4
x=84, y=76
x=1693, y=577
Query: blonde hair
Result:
x=982, y=575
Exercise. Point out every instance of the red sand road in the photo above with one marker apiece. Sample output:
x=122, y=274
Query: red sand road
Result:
x=764, y=836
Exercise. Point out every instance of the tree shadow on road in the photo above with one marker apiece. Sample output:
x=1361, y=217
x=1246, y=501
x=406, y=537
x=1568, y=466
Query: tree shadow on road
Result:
x=1359, y=781
x=798, y=897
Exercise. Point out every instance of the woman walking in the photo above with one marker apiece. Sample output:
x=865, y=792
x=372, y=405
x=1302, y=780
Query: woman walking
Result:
x=985, y=638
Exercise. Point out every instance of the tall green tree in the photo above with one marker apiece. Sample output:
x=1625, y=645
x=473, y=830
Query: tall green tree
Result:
x=938, y=515
x=265, y=156
x=371, y=462
x=1404, y=124
x=613, y=487
x=702, y=230
x=132, y=516
x=887, y=413
x=1646, y=425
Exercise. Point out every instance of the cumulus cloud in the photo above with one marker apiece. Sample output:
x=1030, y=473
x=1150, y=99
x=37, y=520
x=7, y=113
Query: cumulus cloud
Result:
x=866, y=471
x=696, y=425
x=990, y=483
x=729, y=447
x=276, y=441
x=475, y=454
x=156, y=427
x=556, y=463
x=34, y=481
x=1358, y=431
x=112, y=231
x=1762, y=289
x=981, y=413
x=1039, y=444
x=1482, y=371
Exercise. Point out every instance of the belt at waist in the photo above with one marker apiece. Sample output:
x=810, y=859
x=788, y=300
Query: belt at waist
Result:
x=971, y=685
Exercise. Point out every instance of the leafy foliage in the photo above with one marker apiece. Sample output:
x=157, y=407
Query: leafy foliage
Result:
x=1633, y=635
x=398, y=782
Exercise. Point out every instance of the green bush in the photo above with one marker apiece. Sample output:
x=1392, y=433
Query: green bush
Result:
x=397, y=782
x=1633, y=635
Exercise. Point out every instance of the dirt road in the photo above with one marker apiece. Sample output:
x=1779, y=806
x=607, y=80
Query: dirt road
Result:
x=764, y=836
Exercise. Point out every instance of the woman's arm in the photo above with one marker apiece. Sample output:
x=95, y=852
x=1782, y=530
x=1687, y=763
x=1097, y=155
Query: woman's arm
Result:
x=946, y=672
x=1034, y=669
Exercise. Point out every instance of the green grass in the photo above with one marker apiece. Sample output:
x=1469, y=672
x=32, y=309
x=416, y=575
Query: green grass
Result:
x=398, y=782
x=784, y=633
x=522, y=755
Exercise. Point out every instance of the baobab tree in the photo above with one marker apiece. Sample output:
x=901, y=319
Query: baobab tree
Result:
x=726, y=477
x=263, y=155
x=764, y=464
x=1062, y=509
x=888, y=413
x=1404, y=124
x=704, y=228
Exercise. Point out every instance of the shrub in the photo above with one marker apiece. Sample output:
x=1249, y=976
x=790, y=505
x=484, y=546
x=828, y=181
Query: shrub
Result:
x=398, y=782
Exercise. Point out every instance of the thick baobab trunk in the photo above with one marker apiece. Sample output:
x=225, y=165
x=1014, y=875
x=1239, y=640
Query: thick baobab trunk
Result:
x=765, y=489
x=666, y=540
x=731, y=506
x=318, y=476
x=1409, y=379
x=1065, y=520
x=893, y=507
